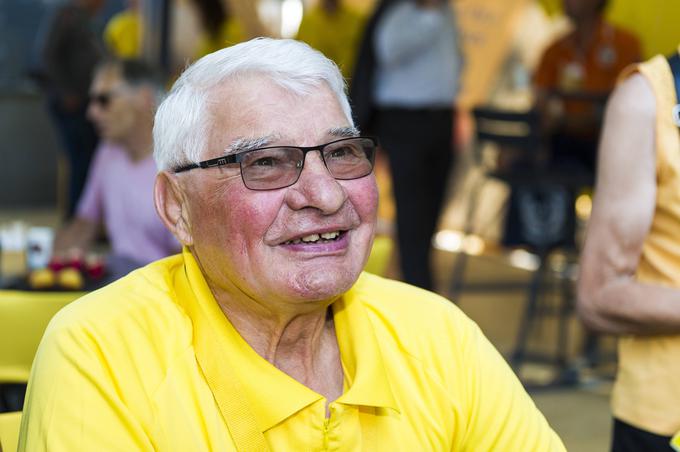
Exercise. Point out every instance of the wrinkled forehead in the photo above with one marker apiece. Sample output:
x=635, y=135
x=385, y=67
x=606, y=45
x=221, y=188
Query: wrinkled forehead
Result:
x=258, y=91
x=257, y=106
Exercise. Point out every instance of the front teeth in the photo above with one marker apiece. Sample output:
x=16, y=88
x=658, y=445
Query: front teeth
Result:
x=312, y=238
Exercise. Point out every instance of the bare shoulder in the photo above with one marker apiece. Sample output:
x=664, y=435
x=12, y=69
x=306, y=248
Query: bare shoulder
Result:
x=634, y=96
x=628, y=132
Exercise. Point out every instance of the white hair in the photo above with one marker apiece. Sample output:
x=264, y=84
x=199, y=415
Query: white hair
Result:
x=182, y=124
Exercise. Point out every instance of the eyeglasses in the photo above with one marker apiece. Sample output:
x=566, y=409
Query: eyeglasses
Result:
x=273, y=167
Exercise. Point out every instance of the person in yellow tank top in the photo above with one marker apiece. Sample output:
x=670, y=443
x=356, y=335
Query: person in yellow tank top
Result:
x=630, y=267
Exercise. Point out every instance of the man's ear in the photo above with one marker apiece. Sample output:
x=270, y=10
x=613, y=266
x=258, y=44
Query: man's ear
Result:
x=172, y=207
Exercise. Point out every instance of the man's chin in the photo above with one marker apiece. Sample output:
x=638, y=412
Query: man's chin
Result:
x=323, y=283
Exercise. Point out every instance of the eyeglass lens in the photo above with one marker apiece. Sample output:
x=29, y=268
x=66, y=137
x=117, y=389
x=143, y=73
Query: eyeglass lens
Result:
x=267, y=169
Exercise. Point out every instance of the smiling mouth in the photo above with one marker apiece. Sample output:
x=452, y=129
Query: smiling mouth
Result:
x=326, y=237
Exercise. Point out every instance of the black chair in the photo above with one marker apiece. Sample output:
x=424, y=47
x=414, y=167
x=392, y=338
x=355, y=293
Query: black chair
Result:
x=539, y=218
x=518, y=145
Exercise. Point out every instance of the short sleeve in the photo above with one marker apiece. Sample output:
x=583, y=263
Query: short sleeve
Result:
x=502, y=415
x=72, y=401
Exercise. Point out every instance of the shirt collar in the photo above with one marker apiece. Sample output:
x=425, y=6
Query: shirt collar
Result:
x=273, y=395
x=366, y=376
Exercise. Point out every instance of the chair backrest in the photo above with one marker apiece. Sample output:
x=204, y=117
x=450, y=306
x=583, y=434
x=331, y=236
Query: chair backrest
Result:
x=508, y=128
x=675, y=442
x=381, y=253
x=9, y=431
x=540, y=208
x=516, y=138
x=23, y=319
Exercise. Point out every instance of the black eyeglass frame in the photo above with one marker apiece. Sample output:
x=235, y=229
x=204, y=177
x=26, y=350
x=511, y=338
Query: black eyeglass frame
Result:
x=238, y=158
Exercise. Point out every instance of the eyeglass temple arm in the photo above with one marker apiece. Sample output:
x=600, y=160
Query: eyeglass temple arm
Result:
x=184, y=168
x=219, y=161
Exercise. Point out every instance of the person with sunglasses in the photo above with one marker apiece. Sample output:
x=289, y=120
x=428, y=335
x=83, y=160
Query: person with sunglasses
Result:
x=118, y=194
x=264, y=333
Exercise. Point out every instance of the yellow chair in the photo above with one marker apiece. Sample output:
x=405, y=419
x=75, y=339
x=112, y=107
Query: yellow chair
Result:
x=380, y=256
x=675, y=442
x=23, y=319
x=9, y=431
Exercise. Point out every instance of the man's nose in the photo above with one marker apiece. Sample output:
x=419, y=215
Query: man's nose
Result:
x=316, y=187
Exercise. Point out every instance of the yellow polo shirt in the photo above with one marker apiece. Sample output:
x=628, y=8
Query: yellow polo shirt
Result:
x=124, y=368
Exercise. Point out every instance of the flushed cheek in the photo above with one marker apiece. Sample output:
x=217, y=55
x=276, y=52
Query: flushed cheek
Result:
x=249, y=222
x=364, y=197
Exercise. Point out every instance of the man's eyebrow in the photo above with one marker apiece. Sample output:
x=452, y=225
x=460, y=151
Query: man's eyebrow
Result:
x=344, y=132
x=248, y=144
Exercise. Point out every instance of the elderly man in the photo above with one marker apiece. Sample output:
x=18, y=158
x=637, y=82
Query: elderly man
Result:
x=118, y=194
x=263, y=334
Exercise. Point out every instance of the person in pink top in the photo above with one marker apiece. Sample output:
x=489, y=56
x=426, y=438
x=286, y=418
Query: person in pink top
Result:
x=118, y=194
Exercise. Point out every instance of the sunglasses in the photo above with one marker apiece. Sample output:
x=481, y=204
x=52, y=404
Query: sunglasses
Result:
x=103, y=99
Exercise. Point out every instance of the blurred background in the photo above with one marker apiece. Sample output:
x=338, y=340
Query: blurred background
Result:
x=515, y=281
x=502, y=42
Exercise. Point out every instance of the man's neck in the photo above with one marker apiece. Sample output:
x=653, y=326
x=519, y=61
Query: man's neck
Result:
x=585, y=30
x=283, y=335
x=299, y=341
x=139, y=145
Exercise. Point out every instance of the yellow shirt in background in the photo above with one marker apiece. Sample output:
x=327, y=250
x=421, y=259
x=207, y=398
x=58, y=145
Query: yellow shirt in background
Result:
x=335, y=35
x=118, y=370
x=123, y=35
